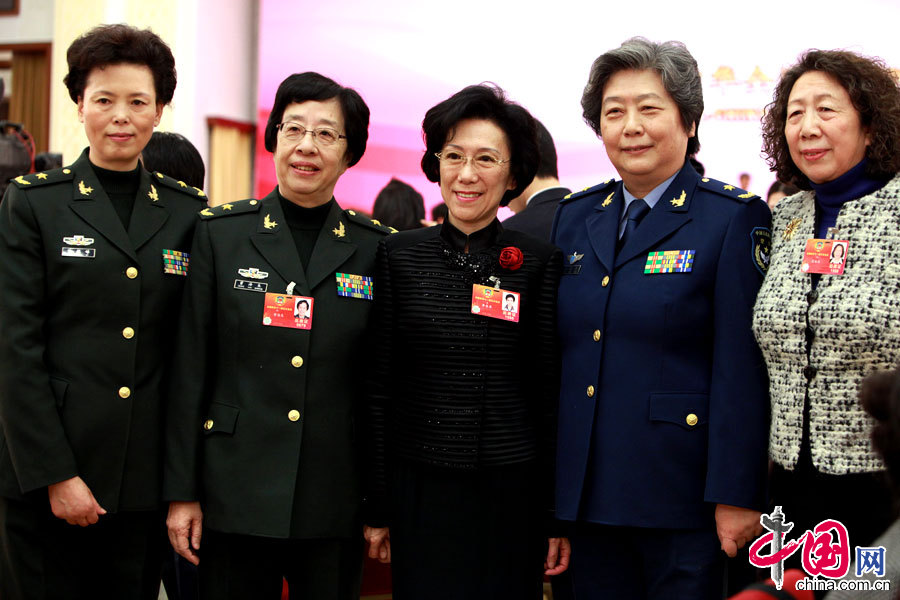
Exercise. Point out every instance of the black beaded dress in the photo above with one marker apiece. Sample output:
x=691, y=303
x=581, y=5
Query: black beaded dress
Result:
x=462, y=412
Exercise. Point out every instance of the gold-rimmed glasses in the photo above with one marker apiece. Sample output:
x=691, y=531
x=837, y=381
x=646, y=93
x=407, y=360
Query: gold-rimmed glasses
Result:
x=482, y=160
x=323, y=136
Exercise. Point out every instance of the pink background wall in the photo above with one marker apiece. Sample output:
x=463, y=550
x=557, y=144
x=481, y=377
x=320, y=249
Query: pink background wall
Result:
x=404, y=56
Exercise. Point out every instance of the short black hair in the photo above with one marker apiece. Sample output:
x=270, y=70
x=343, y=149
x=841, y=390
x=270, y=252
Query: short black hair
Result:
x=301, y=87
x=789, y=189
x=120, y=44
x=303, y=302
x=399, y=205
x=488, y=102
x=508, y=296
x=547, y=166
x=174, y=155
x=439, y=211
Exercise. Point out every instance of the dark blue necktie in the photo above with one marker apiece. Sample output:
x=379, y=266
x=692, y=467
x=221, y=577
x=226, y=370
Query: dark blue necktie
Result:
x=635, y=212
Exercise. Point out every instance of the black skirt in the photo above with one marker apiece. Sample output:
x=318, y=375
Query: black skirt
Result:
x=474, y=535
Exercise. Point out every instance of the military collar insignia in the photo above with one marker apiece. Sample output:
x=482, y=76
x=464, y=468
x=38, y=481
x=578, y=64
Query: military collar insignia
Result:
x=268, y=223
x=85, y=190
x=608, y=200
x=575, y=257
x=679, y=201
x=152, y=193
x=340, y=232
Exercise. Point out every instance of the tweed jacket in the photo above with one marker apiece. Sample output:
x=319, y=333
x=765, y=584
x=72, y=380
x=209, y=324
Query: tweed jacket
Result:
x=854, y=322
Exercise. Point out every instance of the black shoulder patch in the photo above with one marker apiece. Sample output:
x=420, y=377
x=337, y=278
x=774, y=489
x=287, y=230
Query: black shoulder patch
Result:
x=178, y=185
x=230, y=208
x=588, y=191
x=727, y=190
x=365, y=221
x=38, y=179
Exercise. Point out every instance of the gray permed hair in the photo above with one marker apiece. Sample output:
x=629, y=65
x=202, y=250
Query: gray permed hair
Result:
x=676, y=67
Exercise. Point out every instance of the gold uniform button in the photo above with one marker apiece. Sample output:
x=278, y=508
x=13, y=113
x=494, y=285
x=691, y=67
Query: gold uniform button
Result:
x=294, y=415
x=254, y=202
x=128, y=333
x=124, y=392
x=590, y=391
x=691, y=419
x=297, y=361
x=605, y=281
x=131, y=272
x=597, y=335
x=208, y=424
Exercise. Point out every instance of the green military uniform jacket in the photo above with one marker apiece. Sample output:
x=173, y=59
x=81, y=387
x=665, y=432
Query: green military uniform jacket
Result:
x=87, y=322
x=261, y=420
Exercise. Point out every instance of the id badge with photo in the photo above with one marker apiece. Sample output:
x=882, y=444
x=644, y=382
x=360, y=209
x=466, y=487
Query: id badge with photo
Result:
x=495, y=303
x=286, y=310
x=824, y=256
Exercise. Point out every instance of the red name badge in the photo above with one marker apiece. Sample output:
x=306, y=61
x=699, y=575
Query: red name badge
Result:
x=284, y=310
x=495, y=303
x=826, y=257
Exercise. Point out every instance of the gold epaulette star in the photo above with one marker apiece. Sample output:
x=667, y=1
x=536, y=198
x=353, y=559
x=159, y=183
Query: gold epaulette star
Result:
x=339, y=230
x=747, y=195
x=85, y=190
x=21, y=179
x=679, y=201
x=206, y=212
x=41, y=176
x=182, y=184
x=152, y=193
x=200, y=192
x=269, y=223
x=227, y=206
x=728, y=188
x=608, y=200
x=376, y=222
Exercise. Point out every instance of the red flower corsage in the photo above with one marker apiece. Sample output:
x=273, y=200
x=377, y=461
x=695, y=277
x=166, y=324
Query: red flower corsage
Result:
x=511, y=258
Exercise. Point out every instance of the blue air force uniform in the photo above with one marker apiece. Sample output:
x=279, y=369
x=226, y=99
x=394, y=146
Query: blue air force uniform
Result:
x=663, y=407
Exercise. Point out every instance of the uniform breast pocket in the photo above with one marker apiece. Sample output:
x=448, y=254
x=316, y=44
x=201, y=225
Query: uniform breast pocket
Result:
x=687, y=411
x=221, y=419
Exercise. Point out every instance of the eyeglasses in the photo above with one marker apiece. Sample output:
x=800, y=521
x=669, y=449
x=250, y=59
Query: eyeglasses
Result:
x=323, y=136
x=482, y=161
